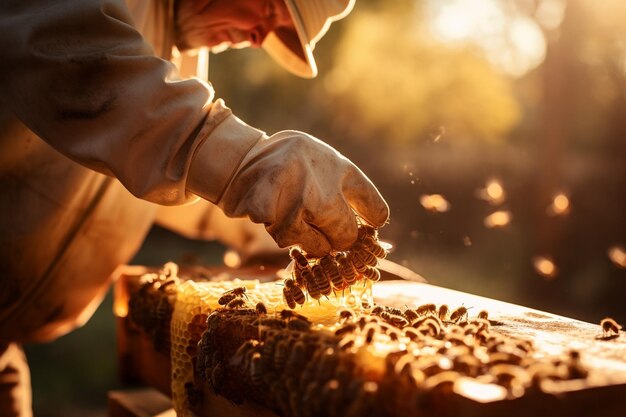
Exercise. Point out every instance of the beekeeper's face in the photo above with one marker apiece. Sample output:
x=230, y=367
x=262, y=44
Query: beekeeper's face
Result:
x=221, y=24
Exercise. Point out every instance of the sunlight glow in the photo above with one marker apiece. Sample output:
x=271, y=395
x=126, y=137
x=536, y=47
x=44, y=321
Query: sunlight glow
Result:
x=511, y=41
x=232, y=259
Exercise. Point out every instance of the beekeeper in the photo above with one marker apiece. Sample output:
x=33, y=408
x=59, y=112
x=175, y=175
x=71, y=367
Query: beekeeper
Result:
x=101, y=126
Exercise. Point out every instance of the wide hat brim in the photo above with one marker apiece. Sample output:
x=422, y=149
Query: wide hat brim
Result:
x=293, y=47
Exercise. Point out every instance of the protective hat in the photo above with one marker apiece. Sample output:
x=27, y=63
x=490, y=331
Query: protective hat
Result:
x=293, y=49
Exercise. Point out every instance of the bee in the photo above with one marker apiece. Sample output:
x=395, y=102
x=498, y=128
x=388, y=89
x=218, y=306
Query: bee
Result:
x=322, y=281
x=410, y=314
x=296, y=293
x=301, y=262
x=393, y=319
x=298, y=325
x=288, y=298
x=610, y=327
x=261, y=309
x=236, y=303
x=356, y=262
x=575, y=367
x=297, y=357
x=345, y=329
x=230, y=295
x=361, y=252
x=426, y=309
x=509, y=375
x=443, y=312
x=346, y=269
x=346, y=314
x=430, y=326
x=299, y=276
x=483, y=314
x=280, y=354
x=256, y=369
x=310, y=284
x=458, y=314
x=377, y=310
x=332, y=272
x=369, y=334
x=346, y=343
x=373, y=246
x=393, y=310
x=292, y=315
x=372, y=274
x=411, y=333
x=367, y=231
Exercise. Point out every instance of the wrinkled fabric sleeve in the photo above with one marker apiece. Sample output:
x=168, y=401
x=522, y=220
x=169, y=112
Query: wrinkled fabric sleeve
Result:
x=79, y=75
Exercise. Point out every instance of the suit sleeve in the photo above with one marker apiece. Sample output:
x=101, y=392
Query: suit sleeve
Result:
x=79, y=75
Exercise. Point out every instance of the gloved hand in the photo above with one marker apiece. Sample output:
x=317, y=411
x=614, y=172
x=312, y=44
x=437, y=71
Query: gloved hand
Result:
x=303, y=191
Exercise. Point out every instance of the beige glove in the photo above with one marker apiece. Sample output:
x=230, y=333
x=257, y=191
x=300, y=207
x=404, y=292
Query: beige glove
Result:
x=305, y=192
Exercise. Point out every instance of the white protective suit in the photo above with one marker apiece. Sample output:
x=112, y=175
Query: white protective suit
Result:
x=91, y=117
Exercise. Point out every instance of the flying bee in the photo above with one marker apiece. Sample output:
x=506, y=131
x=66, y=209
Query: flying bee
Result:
x=236, y=303
x=322, y=281
x=296, y=292
x=300, y=260
x=483, y=314
x=610, y=328
x=288, y=298
x=356, y=262
x=230, y=295
x=346, y=269
x=260, y=308
x=426, y=309
x=443, y=312
x=331, y=269
x=374, y=247
x=459, y=314
x=372, y=274
x=364, y=255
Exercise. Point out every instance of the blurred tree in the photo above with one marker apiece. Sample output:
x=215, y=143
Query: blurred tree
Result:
x=397, y=81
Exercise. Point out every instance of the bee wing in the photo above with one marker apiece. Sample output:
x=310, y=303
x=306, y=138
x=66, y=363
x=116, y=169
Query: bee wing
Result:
x=288, y=271
x=385, y=245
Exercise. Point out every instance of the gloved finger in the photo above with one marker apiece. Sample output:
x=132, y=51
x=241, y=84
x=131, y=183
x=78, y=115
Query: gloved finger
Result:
x=364, y=198
x=336, y=220
x=298, y=232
